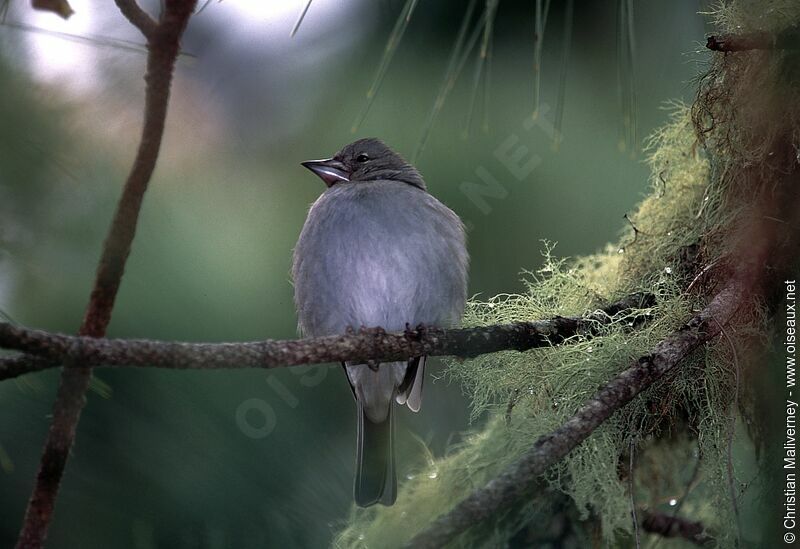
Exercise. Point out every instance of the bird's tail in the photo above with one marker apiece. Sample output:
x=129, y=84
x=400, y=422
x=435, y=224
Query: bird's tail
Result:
x=375, y=475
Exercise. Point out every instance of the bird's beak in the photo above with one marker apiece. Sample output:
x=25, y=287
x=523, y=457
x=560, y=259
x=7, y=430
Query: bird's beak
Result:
x=330, y=171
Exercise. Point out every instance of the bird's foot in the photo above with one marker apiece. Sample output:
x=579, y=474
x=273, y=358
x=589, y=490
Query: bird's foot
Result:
x=417, y=333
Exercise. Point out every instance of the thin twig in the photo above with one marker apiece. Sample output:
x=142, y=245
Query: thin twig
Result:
x=691, y=485
x=732, y=430
x=366, y=344
x=515, y=481
x=138, y=17
x=163, y=44
x=632, y=452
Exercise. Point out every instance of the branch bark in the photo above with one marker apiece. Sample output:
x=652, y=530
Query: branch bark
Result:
x=516, y=481
x=47, y=349
x=163, y=45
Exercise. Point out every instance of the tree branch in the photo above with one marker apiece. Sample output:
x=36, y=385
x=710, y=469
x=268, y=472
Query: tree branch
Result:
x=163, y=45
x=49, y=349
x=515, y=481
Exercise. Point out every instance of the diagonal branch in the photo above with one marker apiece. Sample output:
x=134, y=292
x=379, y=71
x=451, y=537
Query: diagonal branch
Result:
x=515, y=481
x=163, y=45
x=50, y=349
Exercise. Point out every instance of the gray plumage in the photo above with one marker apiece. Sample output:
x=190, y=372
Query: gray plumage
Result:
x=378, y=250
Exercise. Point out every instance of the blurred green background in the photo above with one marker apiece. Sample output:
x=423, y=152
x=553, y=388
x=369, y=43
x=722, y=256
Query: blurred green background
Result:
x=245, y=458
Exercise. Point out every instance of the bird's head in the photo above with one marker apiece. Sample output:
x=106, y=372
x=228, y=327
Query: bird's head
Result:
x=367, y=159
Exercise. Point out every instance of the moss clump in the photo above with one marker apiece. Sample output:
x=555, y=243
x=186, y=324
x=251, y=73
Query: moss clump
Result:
x=529, y=394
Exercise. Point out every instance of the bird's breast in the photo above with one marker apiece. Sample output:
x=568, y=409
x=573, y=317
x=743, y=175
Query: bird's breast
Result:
x=377, y=256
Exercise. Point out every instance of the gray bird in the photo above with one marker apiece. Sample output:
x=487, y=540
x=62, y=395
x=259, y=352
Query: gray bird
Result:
x=378, y=250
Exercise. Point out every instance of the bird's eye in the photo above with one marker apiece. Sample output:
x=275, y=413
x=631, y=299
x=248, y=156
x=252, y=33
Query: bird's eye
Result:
x=362, y=158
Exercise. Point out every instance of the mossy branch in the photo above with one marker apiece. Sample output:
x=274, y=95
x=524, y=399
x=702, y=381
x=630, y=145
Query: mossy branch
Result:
x=516, y=481
x=47, y=350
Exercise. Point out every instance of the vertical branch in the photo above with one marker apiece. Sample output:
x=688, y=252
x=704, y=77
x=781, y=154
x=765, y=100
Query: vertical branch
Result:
x=163, y=45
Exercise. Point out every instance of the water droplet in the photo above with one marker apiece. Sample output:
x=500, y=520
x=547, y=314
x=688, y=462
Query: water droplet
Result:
x=621, y=251
x=668, y=270
x=590, y=349
x=433, y=474
x=409, y=477
x=669, y=233
x=673, y=502
x=360, y=537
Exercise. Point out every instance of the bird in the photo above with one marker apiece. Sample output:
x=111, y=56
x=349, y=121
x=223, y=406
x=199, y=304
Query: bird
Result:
x=378, y=250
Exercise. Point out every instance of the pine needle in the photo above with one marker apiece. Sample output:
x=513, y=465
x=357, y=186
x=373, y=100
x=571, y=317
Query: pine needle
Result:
x=631, y=43
x=81, y=39
x=458, y=58
x=388, y=53
x=562, y=81
x=487, y=80
x=7, y=317
x=5, y=461
x=482, y=61
x=626, y=76
x=88, y=39
x=540, y=24
x=300, y=19
x=202, y=8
